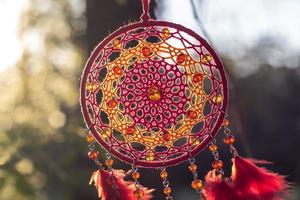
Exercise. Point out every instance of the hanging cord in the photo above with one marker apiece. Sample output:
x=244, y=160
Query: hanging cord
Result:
x=146, y=15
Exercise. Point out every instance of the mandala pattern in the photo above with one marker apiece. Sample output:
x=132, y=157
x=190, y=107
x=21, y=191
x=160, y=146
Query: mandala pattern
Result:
x=154, y=93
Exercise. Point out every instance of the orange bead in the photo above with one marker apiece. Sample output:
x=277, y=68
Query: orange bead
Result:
x=191, y=114
x=164, y=175
x=109, y=162
x=217, y=164
x=197, y=184
x=135, y=175
x=130, y=130
x=225, y=122
x=89, y=138
x=180, y=58
x=213, y=147
x=193, y=167
x=138, y=193
x=117, y=70
x=197, y=78
x=165, y=33
x=229, y=140
x=146, y=51
x=166, y=136
x=206, y=59
x=93, y=155
x=167, y=190
x=112, y=103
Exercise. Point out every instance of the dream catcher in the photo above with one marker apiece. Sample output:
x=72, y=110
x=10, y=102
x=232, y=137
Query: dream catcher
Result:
x=154, y=94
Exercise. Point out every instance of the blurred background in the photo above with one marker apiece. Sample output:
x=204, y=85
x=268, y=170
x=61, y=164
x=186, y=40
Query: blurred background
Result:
x=44, y=45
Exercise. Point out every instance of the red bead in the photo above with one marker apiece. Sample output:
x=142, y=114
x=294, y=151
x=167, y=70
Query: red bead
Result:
x=180, y=58
x=112, y=103
x=117, y=70
x=146, y=51
x=197, y=78
x=166, y=136
x=130, y=130
x=191, y=114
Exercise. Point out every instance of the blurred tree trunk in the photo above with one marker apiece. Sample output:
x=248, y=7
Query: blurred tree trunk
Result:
x=105, y=16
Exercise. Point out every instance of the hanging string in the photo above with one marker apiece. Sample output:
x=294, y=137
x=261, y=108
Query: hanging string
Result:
x=146, y=15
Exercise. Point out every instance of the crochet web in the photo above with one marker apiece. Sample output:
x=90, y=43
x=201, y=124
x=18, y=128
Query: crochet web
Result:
x=154, y=93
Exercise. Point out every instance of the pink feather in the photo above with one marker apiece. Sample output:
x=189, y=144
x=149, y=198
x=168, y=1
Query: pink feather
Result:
x=248, y=182
x=103, y=182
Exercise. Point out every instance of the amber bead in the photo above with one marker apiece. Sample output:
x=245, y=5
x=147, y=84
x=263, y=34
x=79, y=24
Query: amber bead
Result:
x=225, y=122
x=130, y=130
x=135, y=175
x=167, y=190
x=154, y=93
x=206, y=59
x=213, y=147
x=109, y=162
x=193, y=167
x=197, y=78
x=229, y=140
x=93, y=155
x=166, y=136
x=218, y=99
x=197, y=184
x=196, y=142
x=89, y=138
x=164, y=175
x=105, y=134
x=180, y=58
x=150, y=157
x=165, y=33
x=218, y=164
x=117, y=70
x=192, y=114
x=146, y=51
x=117, y=43
x=138, y=193
x=112, y=103
x=91, y=86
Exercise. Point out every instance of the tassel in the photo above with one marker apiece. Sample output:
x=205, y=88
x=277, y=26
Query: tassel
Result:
x=113, y=187
x=247, y=182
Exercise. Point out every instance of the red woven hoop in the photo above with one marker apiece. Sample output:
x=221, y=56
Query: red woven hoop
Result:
x=124, y=149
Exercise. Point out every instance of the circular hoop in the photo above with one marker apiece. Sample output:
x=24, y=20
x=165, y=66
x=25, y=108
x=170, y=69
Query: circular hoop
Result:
x=183, y=64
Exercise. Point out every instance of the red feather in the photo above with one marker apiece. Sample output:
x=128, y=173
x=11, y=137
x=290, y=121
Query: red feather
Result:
x=248, y=182
x=104, y=183
x=216, y=188
x=256, y=182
